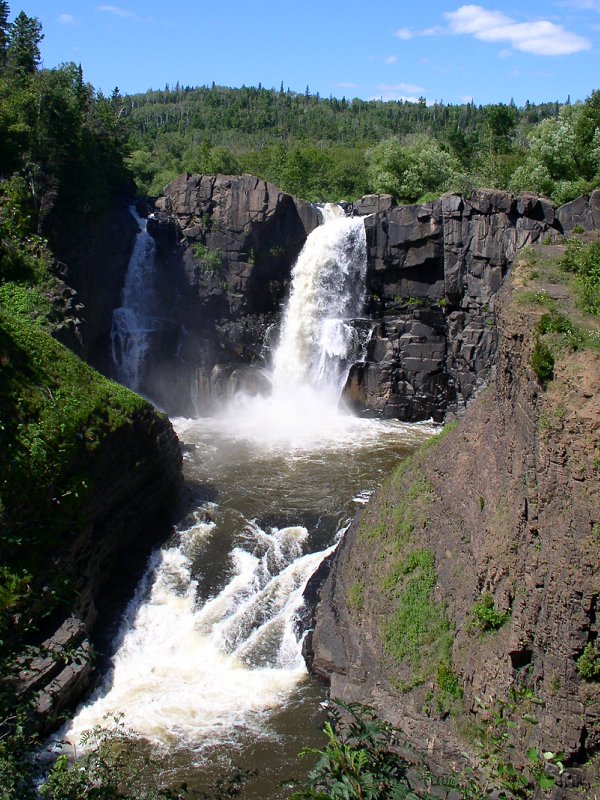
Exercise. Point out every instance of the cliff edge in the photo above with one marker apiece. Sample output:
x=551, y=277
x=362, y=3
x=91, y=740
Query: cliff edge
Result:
x=461, y=605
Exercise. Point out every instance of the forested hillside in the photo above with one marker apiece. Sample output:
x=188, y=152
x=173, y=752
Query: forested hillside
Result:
x=62, y=151
x=339, y=149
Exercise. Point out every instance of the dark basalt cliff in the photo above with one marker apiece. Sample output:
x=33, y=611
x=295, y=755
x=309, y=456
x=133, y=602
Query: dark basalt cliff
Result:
x=433, y=274
x=505, y=506
x=226, y=247
x=136, y=477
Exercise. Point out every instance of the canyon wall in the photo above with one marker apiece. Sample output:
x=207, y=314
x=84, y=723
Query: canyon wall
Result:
x=136, y=479
x=226, y=248
x=502, y=513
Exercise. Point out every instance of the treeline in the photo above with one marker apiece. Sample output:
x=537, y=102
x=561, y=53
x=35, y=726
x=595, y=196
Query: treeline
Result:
x=338, y=149
x=62, y=158
x=62, y=145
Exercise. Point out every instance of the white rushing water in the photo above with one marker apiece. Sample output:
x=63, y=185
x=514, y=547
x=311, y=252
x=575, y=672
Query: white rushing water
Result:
x=317, y=345
x=132, y=322
x=183, y=670
x=211, y=643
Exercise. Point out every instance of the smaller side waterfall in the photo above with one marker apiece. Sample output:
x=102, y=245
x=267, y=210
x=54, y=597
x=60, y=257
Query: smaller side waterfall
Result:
x=132, y=323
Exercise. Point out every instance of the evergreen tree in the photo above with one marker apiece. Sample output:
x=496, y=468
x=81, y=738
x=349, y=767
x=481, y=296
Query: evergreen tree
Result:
x=23, y=54
x=4, y=31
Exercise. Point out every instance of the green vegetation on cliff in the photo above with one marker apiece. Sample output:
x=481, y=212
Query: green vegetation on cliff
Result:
x=61, y=159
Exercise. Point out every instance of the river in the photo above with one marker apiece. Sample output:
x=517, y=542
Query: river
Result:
x=207, y=666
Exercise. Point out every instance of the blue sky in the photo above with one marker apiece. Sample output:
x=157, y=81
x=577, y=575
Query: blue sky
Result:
x=446, y=51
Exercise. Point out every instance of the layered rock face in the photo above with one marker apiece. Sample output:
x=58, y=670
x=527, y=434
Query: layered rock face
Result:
x=135, y=475
x=226, y=246
x=434, y=271
x=505, y=506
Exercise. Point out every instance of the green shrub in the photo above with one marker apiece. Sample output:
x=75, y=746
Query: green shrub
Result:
x=486, y=617
x=588, y=663
x=542, y=362
x=211, y=259
x=448, y=681
x=358, y=761
x=583, y=260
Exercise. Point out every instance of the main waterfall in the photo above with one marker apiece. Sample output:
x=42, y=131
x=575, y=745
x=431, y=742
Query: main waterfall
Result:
x=208, y=665
x=318, y=341
x=328, y=286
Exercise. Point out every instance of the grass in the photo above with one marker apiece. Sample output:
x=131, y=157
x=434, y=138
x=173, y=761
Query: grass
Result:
x=418, y=633
x=54, y=413
x=568, y=324
x=356, y=596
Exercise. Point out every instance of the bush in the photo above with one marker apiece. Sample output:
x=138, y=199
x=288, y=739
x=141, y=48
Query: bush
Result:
x=583, y=260
x=542, y=362
x=486, y=617
x=588, y=663
x=358, y=760
x=211, y=259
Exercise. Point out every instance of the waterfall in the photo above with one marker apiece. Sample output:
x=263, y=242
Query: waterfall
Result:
x=318, y=344
x=185, y=670
x=210, y=648
x=132, y=322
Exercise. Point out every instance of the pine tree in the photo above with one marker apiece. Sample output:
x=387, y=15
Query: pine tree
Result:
x=4, y=31
x=23, y=54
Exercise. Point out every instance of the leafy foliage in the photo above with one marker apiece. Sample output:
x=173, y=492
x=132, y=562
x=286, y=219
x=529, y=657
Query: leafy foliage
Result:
x=338, y=149
x=588, y=663
x=583, y=260
x=358, y=760
x=486, y=616
x=542, y=361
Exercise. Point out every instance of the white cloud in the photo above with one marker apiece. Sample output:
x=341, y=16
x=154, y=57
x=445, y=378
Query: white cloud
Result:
x=466, y=98
x=391, y=59
x=347, y=85
x=505, y=53
x=404, y=33
x=66, y=19
x=117, y=11
x=542, y=38
x=436, y=30
x=405, y=88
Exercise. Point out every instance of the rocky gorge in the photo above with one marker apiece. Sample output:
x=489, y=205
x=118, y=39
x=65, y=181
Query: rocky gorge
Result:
x=502, y=510
x=225, y=249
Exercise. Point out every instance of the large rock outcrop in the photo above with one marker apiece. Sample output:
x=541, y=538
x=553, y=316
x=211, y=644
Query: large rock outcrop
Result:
x=226, y=247
x=136, y=478
x=434, y=271
x=506, y=506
